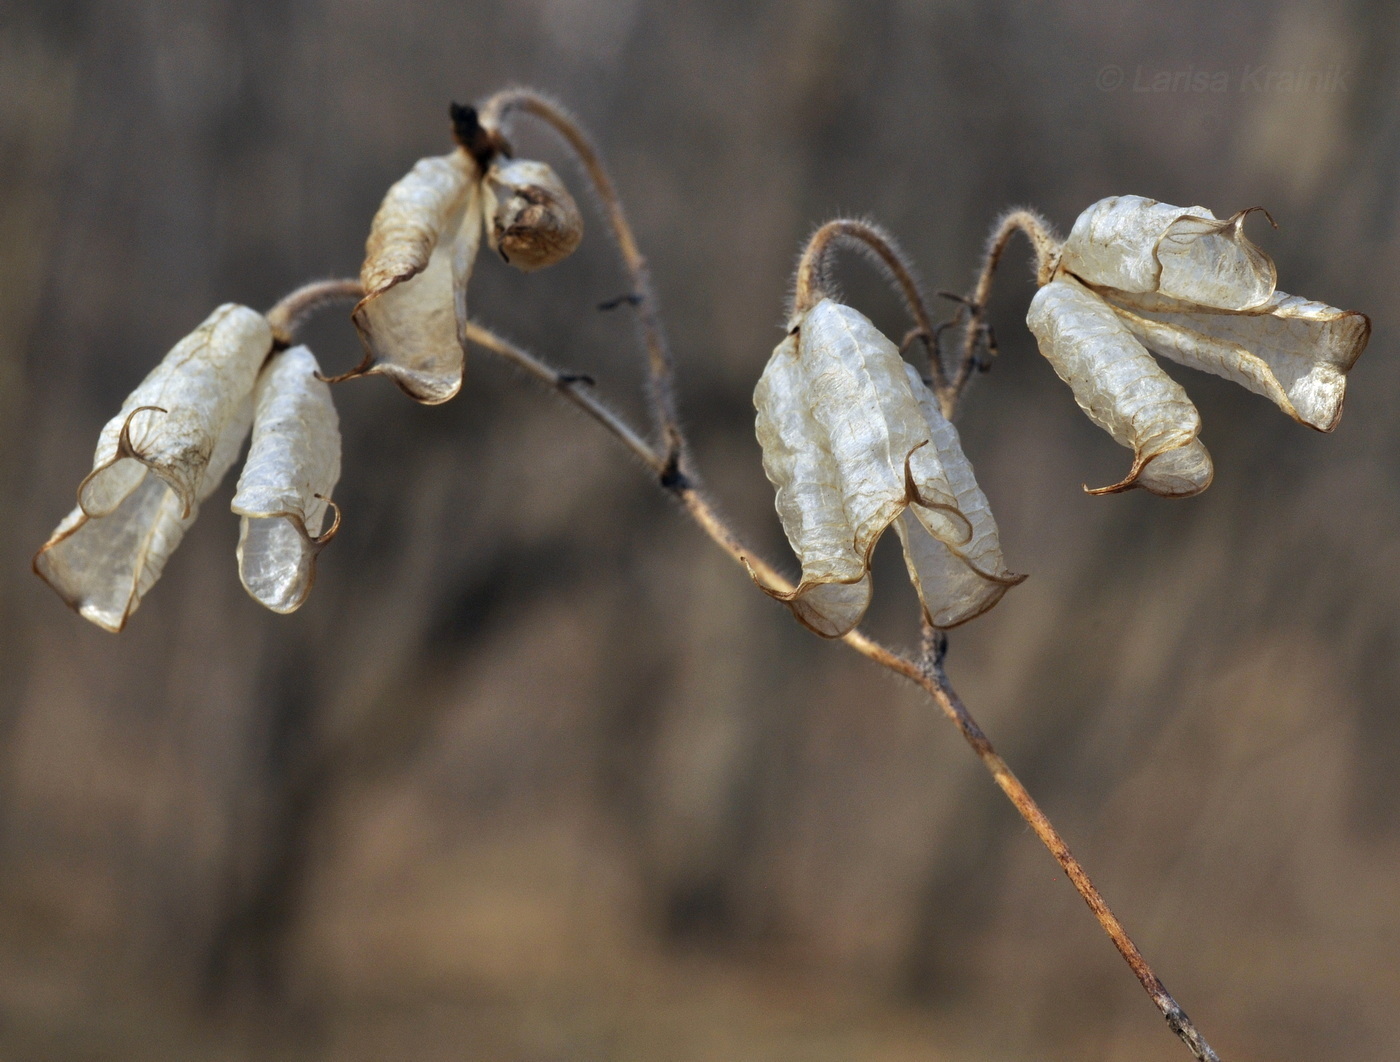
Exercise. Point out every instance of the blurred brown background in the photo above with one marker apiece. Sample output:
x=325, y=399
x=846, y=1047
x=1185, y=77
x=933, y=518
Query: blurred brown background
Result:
x=537, y=774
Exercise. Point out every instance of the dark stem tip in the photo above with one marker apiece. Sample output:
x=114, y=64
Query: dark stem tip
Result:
x=479, y=142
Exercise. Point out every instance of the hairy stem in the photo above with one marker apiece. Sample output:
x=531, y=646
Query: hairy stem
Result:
x=661, y=390
x=294, y=310
x=977, y=332
x=813, y=280
x=573, y=388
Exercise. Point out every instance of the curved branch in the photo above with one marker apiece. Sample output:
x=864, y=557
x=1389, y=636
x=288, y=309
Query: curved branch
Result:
x=295, y=309
x=494, y=114
x=813, y=282
x=976, y=331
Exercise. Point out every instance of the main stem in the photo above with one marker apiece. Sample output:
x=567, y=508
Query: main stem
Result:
x=932, y=679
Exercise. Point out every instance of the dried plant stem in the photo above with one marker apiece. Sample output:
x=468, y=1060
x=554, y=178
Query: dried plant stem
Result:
x=295, y=309
x=976, y=330
x=931, y=678
x=927, y=673
x=813, y=282
x=573, y=388
x=660, y=372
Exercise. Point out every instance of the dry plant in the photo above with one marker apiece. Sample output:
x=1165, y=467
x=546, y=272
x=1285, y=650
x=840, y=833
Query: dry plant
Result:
x=855, y=438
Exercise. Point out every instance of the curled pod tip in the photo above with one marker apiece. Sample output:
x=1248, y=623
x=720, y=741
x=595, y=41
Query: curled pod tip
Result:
x=1122, y=389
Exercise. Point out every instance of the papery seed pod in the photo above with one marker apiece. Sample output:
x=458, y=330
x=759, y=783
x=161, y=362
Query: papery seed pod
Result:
x=1290, y=350
x=418, y=259
x=293, y=465
x=531, y=219
x=166, y=451
x=1122, y=389
x=847, y=449
x=955, y=582
x=1139, y=245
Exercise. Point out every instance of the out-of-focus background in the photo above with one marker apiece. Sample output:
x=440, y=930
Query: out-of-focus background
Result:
x=537, y=774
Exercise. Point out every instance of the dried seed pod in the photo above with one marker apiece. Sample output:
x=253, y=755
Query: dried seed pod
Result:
x=164, y=453
x=1122, y=389
x=955, y=583
x=293, y=465
x=418, y=259
x=1138, y=245
x=1290, y=350
x=531, y=219
x=848, y=448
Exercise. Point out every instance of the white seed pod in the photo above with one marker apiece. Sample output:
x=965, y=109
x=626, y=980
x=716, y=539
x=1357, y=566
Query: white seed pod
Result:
x=418, y=259
x=531, y=219
x=163, y=454
x=955, y=583
x=1139, y=245
x=1122, y=389
x=847, y=448
x=293, y=465
x=1290, y=350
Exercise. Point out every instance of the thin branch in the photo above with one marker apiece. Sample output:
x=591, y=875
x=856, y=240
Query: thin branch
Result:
x=813, y=282
x=976, y=331
x=294, y=310
x=929, y=676
x=661, y=390
x=574, y=389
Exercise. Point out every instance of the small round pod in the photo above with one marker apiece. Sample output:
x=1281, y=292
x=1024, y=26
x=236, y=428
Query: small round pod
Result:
x=284, y=491
x=531, y=219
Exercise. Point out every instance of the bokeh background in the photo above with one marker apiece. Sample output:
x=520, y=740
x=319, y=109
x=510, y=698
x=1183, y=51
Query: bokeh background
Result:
x=537, y=774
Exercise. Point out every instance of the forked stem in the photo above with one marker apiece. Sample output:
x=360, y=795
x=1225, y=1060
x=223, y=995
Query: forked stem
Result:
x=813, y=281
x=661, y=388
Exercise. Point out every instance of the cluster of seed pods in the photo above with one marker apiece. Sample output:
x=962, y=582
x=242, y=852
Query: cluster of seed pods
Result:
x=182, y=429
x=853, y=441
x=1136, y=278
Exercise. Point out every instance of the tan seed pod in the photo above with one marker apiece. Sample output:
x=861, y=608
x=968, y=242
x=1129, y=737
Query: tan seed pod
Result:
x=1290, y=350
x=955, y=582
x=164, y=453
x=1122, y=389
x=847, y=447
x=418, y=259
x=1138, y=245
x=283, y=494
x=531, y=219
